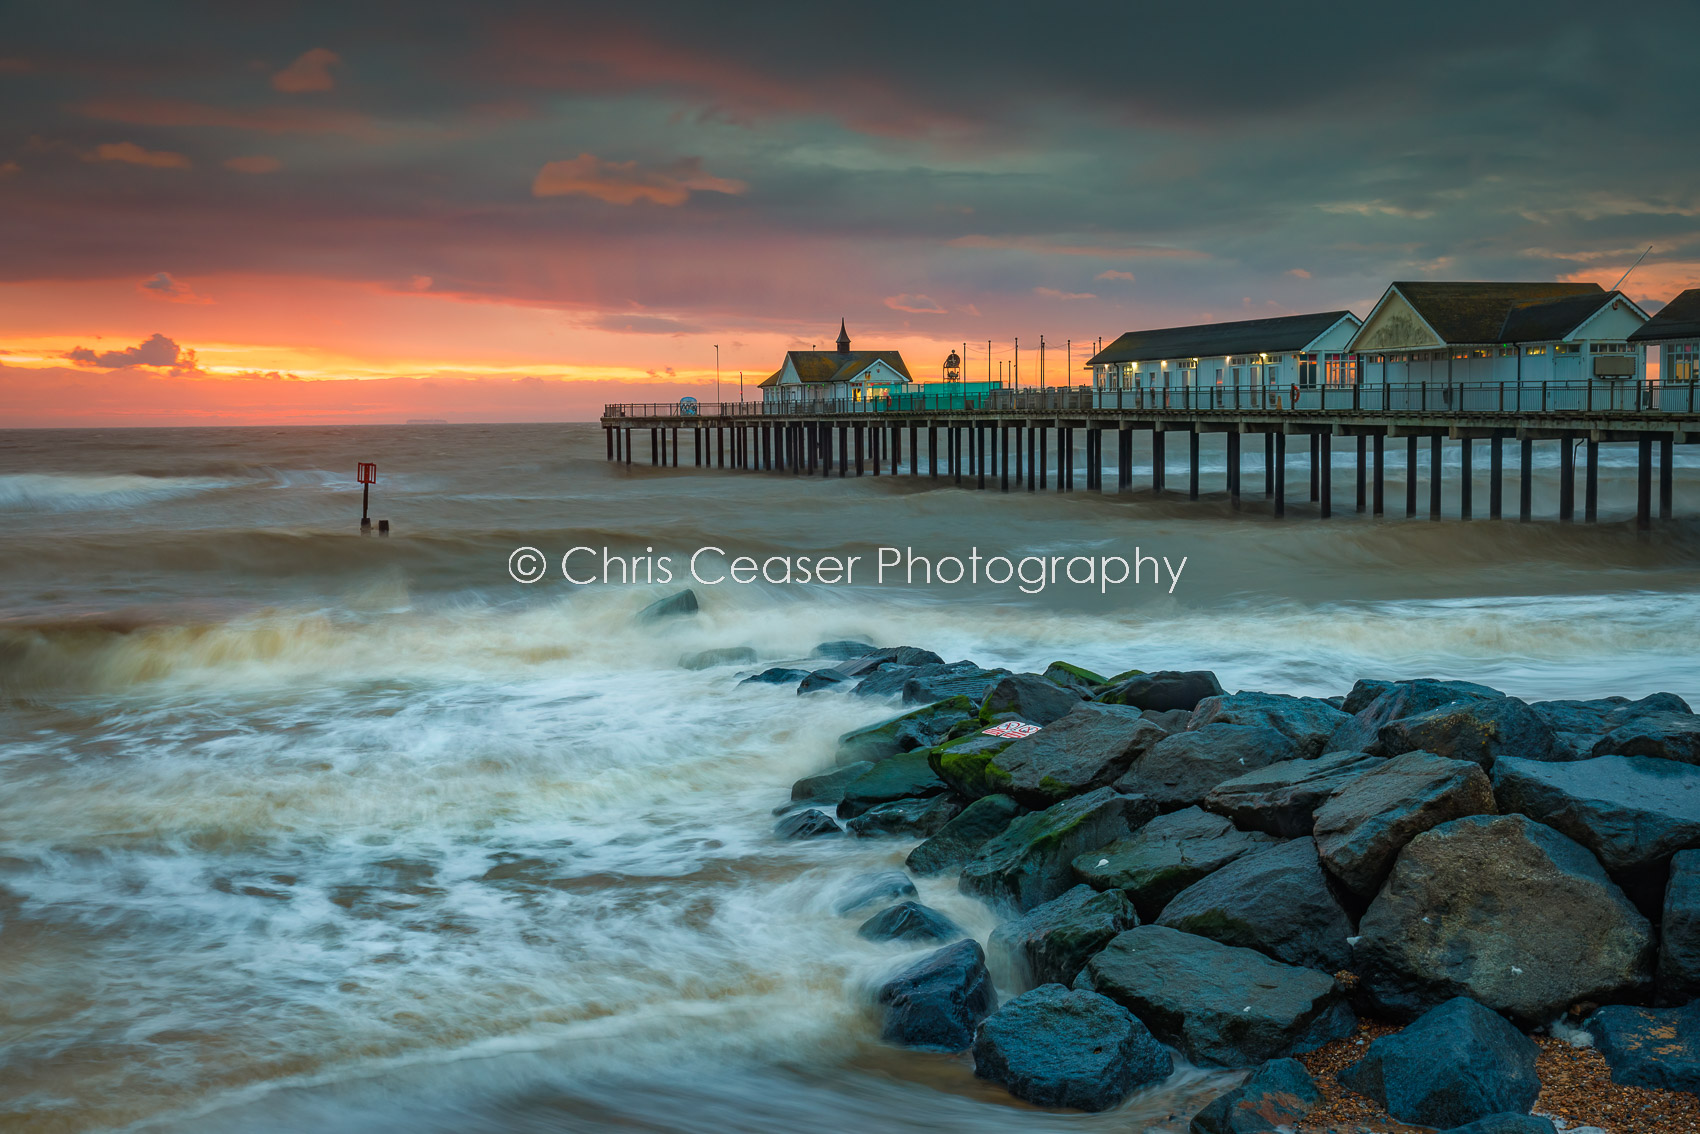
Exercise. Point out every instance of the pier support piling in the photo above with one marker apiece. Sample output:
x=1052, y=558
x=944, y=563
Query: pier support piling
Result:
x=1591, y=483
x=1192, y=480
x=1363, y=472
x=1665, y=443
x=1465, y=488
x=1234, y=469
x=1496, y=475
x=1379, y=496
x=1436, y=461
x=1315, y=473
x=1159, y=460
x=1644, y=484
x=1526, y=482
x=1411, y=477
x=1269, y=465
x=1280, y=466
x=1324, y=474
x=1567, y=479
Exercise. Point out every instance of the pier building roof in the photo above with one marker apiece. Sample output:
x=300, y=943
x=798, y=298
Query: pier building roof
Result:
x=1680, y=319
x=1281, y=334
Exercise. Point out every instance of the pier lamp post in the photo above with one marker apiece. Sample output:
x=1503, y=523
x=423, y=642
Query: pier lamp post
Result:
x=717, y=372
x=952, y=367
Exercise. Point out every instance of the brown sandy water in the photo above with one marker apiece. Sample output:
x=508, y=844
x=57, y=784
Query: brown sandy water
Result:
x=303, y=830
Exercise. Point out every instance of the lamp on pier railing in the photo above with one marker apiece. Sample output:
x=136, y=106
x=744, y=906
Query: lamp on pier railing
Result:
x=952, y=367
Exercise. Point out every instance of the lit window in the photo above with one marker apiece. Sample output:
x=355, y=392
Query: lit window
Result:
x=1535, y=350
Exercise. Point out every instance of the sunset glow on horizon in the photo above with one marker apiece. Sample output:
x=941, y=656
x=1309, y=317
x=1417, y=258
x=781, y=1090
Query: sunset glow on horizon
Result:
x=522, y=212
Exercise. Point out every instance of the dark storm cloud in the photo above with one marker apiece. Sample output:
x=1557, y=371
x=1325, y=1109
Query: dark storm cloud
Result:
x=710, y=160
x=156, y=350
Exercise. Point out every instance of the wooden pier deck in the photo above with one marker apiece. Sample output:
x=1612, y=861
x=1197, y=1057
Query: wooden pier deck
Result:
x=856, y=438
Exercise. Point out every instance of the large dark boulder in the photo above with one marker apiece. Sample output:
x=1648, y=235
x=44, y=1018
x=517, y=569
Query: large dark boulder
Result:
x=937, y=1002
x=1218, y=1004
x=1306, y=721
x=1390, y=701
x=1029, y=863
x=900, y=656
x=1282, y=799
x=867, y=890
x=1052, y=942
x=680, y=605
x=845, y=649
x=1578, y=725
x=1056, y=1046
x=828, y=787
x=809, y=824
x=905, y=776
x=906, y=818
x=1275, y=1098
x=1506, y=911
x=921, y=728
x=1363, y=826
x=816, y=680
x=1077, y=678
x=1633, y=812
x=1480, y=730
x=1030, y=697
x=1164, y=690
x=1679, y=931
x=961, y=838
x=1090, y=747
x=779, y=675
x=1657, y=1048
x=1181, y=769
x=1275, y=900
x=910, y=921
x=924, y=684
x=1669, y=736
x=1165, y=856
x=1456, y=1063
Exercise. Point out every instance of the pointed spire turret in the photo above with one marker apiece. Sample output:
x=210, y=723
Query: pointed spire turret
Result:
x=843, y=338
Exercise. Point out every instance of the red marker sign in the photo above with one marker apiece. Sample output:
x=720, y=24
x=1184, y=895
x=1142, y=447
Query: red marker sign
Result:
x=366, y=472
x=1014, y=730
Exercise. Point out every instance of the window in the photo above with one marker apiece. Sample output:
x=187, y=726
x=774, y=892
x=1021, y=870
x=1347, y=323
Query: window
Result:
x=1341, y=370
x=1608, y=348
x=1507, y=352
x=1307, y=371
x=1567, y=348
x=1235, y=376
x=1535, y=350
x=1682, y=360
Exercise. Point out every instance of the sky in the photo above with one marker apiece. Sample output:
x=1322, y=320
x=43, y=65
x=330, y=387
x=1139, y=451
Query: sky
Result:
x=298, y=213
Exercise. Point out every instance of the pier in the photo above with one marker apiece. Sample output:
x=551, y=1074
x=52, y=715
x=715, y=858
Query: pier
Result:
x=1026, y=439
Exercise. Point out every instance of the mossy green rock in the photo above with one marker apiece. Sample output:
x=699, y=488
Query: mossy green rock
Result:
x=918, y=729
x=904, y=776
x=958, y=840
x=1029, y=863
x=966, y=764
x=1166, y=856
x=1089, y=748
x=1069, y=676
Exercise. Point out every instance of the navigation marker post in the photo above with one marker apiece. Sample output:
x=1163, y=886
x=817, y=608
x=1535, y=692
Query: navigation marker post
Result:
x=367, y=474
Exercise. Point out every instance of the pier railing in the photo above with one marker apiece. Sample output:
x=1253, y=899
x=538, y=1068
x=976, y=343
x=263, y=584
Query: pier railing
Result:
x=1640, y=398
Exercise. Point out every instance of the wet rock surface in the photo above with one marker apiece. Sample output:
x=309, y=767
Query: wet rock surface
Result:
x=1029, y=863
x=961, y=838
x=1165, y=856
x=1060, y=1047
x=1184, y=767
x=1306, y=721
x=1089, y=747
x=937, y=1002
x=1275, y=1098
x=1052, y=943
x=1282, y=799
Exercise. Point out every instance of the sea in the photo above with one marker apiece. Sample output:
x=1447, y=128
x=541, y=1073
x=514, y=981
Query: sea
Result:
x=304, y=829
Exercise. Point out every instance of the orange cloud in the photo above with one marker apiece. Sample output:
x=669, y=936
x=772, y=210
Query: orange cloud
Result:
x=914, y=304
x=133, y=154
x=254, y=163
x=266, y=119
x=1299, y=273
x=1113, y=274
x=623, y=183
x=1053, y=293
x=311, y=72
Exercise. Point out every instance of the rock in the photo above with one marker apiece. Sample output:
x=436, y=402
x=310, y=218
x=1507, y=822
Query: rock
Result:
x=1456, y=1063
x=1282, y=798
x=1306, y=721
x=1165, y=856
x=904, y=776
x=1504, y=910
x=1363, y=826
x=936, y=1002
x=843, y=650
x=828, y=787
x=924, y=684
x=906, y=818
x=1363, y=694
x=1171, y=720
x=779, y=675
x=865, y=890
x=1480, y=730
x=921, y=728
x=1216, y=1003
x=821, y=679
x=1084, y=681
x=726, y=655
x=1183, y=768
x=810, y=824
x=1396, y=699
x=1088, y=748
x=910, y=921
x=1060, y=1047
x=1577, y=725
x=1275, y=1098
x=1679, y=931
x=1052, y=942
x=1518, y=1124
x=673, y=606
x=903, y=655
x=966, y=764
x=1275, y=900
x=1658, y=1048
x=1030, y=697
x=1633, y=812
x=962, y=837
x=1669, y=736
x=1164, y=690
x=1029, y=863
